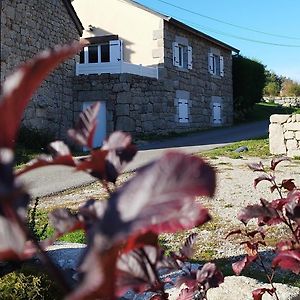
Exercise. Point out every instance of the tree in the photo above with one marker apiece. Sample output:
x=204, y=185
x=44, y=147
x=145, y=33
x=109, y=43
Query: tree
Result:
x=273, y=83
x=248, y=83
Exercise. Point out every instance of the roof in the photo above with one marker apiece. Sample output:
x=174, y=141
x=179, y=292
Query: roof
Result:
x=183, y=26
x=73, y=15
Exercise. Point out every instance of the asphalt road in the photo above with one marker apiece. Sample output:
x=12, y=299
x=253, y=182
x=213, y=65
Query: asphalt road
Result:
x=53, y=179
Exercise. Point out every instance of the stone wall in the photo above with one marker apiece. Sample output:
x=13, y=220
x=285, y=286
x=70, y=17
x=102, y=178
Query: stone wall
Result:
x=284, y=135
x=201, y=85
x=135, y=104
x=284, y=101
x=28, y=27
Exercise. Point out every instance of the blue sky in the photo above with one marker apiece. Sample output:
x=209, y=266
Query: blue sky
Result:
x=274, y=17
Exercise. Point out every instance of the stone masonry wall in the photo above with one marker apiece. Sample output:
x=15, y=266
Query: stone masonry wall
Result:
x=198, y=81
x=284, y=101
x=28, y=27
x=284, y=135
x=135, y=104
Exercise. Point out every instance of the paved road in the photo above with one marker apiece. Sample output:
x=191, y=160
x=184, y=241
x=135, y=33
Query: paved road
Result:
x=54, y=179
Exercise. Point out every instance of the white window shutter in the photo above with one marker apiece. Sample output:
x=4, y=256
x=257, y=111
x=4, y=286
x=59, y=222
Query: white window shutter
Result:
x=190, y=58
x=115, y=51
x=221, y=66
x=175, y=54
x=183, y=112
x=217, y=113
x=210, y=63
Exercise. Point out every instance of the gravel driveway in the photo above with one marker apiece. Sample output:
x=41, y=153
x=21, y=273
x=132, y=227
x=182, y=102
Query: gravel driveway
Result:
x=234, y=191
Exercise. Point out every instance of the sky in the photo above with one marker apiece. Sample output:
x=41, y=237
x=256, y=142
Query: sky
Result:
x=265, y=30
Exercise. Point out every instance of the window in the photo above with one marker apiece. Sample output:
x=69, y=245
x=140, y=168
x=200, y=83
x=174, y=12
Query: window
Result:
x=183, y=111
x=93, y=54
x=216, y=64
x=182, y=56
x=103, y=53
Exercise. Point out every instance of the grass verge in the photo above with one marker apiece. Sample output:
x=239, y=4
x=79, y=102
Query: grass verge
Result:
x=258, y=147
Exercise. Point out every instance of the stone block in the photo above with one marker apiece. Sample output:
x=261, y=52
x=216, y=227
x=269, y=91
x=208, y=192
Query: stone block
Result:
x=276, y=139
x=297, y=135
x=125, y=123
x=124, y=97
x=291, y=144
x=293, y=153
x=122, y=109
x=292, y=126
x=297, y=117
x=288, y=135
x=279, y=119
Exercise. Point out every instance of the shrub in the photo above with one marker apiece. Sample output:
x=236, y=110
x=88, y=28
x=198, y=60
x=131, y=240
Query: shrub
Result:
x=29, y=283
x=248, y=84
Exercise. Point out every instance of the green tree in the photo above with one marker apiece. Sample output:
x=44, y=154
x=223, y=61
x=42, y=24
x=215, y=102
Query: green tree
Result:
x=290, y=88
x=273, y=83
x=248, y=83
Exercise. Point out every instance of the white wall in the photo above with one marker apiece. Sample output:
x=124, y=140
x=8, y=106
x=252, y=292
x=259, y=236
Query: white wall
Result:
x=134, y=26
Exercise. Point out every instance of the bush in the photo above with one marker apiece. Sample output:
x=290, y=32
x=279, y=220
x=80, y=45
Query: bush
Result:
x=248, y=84
x=29, y=283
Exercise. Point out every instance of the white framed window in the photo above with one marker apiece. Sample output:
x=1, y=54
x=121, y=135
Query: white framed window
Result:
x=216, y=64
x=183, y=111
x=182, y=56
x=111, y=51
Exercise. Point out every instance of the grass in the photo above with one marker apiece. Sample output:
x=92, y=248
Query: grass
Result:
x=258, y=147
x=263, y=111
x=43, y=229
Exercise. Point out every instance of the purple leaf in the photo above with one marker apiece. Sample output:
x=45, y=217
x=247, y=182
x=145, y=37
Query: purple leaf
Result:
x=293, y=206
x=209, y=276
x=13, y=209
x=276, y=160
x=239, y=266
x=289, y=260
x=258, y=293
x=160, y=198
x=265, y=213
x=263, y=177
x=238, y=231
x=257, y=167
x=64, y=221
x=186, y=294
x=137, y=270
x=83, y=133
x=288, y=184
x=20, y=86
x=47, y=160
x=120, y=152
x=188, y=250
x=59, y=148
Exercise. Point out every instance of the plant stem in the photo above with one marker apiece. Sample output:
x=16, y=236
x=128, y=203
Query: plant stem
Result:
x=163, y=294
x=269, y=277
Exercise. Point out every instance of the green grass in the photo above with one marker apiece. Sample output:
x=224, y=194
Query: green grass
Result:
x=44, y=230
x=263, y=111
x=257, y=148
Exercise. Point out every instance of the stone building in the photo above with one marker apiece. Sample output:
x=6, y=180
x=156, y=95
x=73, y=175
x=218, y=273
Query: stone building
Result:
x=151, y=73
x=27, y=27
x=186, y=81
